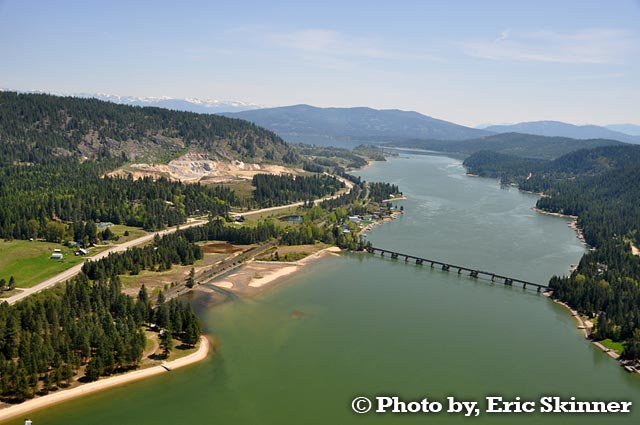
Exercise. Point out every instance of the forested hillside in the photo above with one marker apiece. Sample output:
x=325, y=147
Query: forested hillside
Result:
x=37, y=128
x=602, y=187
x=348, y=127
x=55, y=199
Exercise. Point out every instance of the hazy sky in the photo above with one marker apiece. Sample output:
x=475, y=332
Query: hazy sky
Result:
x=465, y=61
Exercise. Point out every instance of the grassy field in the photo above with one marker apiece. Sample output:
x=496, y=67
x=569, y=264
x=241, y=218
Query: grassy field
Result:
x=255, y=217
x=120, y=229
x=618, y=347
x=30, y=262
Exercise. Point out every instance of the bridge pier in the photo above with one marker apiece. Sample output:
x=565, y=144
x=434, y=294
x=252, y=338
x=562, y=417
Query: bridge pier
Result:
x=394, y=255
x=474, y=274
x=493, y=278
x=406, y=258
x=445, y=267
x=508, y=281
x=432, y=264
x=459, y=270
x=419, y=261
x=538, y=289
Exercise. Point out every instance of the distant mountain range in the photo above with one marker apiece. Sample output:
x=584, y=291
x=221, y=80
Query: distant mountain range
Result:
x=561, y=129
x=515, y=144
x=191, y=104
x=347, y=127
x=631, y=129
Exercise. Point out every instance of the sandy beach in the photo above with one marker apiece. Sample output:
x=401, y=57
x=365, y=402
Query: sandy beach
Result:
x=255, y=276
x=23, y=409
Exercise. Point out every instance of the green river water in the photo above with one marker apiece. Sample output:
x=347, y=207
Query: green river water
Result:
x=373, y=326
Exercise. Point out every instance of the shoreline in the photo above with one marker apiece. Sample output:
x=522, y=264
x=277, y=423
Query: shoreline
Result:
x=370, y=226
x=573, y=223
x=256, y=276
x=585, y=325
x=60, y=396
x=399, y=198
x=289, y=267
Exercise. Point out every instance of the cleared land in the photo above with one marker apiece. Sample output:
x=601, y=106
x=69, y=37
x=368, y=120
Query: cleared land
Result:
x=30, y=262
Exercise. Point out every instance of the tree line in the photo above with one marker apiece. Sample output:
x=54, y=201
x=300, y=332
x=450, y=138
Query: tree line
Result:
x=271, y=190
x=379, y=191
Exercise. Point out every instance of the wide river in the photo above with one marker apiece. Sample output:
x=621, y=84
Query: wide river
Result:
x=371, y=326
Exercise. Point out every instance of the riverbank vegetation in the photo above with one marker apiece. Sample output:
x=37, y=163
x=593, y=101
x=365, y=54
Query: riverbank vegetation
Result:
x=601, y=187
x=80, y=331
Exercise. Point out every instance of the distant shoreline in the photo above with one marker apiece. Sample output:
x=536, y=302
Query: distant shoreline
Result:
x=24, y=408
x=573, y=223
x=585, y=325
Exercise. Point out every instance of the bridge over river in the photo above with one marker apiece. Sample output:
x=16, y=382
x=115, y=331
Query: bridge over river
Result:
x=447, y=267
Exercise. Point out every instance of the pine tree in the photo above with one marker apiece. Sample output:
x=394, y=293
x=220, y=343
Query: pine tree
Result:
x=166, y=343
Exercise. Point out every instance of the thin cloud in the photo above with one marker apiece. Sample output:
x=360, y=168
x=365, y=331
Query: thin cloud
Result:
x=328, y=43
x=589, y=77
x=595, y=46
x=330, y=49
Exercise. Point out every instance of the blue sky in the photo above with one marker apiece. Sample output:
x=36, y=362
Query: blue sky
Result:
x=469, y=62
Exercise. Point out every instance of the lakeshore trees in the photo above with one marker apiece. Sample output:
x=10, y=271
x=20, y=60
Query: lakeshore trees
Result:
x=87, y=326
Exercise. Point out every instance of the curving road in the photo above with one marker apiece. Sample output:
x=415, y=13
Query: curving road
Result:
x=69, y=273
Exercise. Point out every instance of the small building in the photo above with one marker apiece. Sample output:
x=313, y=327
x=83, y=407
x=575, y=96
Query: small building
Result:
x=104, y=224
x=345, y=231
x=354, y=218
x=57, y=250
x=57, y=256
x=81, y=251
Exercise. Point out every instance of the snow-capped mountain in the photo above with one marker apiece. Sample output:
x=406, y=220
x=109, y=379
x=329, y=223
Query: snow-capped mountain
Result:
x=191, y=104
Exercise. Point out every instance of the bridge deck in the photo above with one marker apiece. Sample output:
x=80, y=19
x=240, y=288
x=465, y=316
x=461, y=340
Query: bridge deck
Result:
x=448, y=266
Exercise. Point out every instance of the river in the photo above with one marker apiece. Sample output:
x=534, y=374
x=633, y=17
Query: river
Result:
x=361, y=325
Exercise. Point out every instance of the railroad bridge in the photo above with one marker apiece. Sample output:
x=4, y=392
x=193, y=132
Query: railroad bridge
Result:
x=447, y=267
